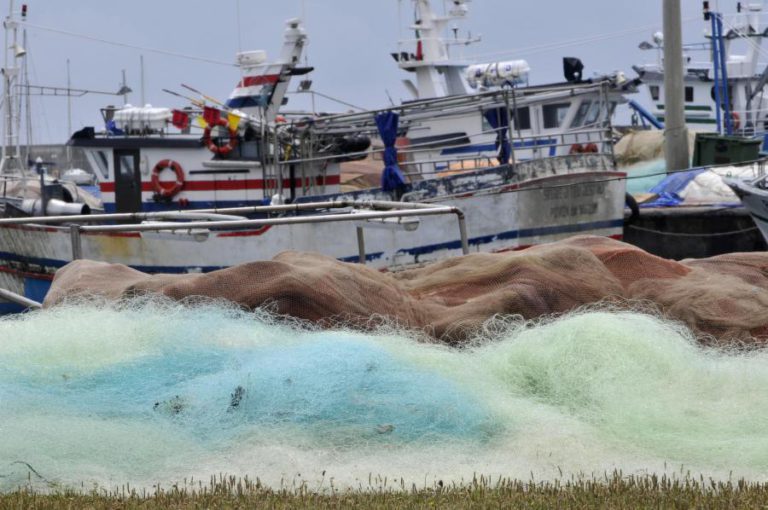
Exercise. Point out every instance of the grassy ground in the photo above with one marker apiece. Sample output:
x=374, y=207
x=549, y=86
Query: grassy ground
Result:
x=612, y=492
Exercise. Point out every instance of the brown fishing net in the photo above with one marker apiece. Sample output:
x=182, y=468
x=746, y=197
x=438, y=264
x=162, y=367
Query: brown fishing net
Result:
x=721, y=298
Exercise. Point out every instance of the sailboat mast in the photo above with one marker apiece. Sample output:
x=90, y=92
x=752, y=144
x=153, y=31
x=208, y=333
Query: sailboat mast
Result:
x=10, y=25
x=69, y=114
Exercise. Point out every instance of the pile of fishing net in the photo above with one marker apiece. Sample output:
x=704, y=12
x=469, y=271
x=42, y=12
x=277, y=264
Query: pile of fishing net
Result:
x=722, y=298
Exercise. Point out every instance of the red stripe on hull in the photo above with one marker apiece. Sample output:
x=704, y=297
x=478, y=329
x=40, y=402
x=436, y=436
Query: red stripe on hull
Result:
x=233, y=185
x=249, y=233
x=27, y=274
x=253, y=81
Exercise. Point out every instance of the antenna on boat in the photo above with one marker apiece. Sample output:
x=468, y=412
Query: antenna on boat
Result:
x=69, y=114
x=239, y=27
x=141, y=69
x=124, y=90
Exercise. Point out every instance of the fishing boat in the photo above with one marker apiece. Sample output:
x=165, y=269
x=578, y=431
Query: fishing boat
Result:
x=753, y=194
x=731, y=54
x=526, y=165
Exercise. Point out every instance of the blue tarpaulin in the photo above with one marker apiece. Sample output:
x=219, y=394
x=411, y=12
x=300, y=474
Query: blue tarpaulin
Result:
x=112, y=129
x=668, y=190
x=392, y=177
x=499, y=121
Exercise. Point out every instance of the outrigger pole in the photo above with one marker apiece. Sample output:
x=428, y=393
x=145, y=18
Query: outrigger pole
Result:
x=201, y=103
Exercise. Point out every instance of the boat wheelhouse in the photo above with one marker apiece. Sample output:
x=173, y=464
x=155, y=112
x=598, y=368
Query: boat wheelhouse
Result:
x=732, y=50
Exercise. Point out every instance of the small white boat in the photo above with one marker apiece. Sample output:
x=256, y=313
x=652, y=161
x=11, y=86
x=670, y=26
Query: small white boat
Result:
x=754, y=196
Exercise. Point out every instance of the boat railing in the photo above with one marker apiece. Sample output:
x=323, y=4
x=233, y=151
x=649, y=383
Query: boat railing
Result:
x=364, y=213
x=540, y=141
x=477, y=163
x=454, y=104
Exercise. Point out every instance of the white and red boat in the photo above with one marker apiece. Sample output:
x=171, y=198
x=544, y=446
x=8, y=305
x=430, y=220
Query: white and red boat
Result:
x=527, y=165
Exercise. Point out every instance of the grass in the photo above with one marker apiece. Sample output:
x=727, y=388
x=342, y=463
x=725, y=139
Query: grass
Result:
x=614, y=491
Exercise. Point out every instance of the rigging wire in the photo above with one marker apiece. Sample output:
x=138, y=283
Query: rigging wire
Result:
x=127, y=45
x=746, y=38
x=530, y=50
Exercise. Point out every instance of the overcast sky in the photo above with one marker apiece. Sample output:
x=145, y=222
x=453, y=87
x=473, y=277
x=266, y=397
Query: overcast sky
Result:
x=350, y=42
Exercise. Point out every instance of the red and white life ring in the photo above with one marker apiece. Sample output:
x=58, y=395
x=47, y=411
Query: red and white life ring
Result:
x=736, y=120
x=591, y=148
x=167, y=189
x=221, y=150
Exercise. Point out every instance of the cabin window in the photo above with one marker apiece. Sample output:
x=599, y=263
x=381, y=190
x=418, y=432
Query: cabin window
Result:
x=102, y=164
x=581, y=114
x=688, y=94
x=594, y=114
x=554, y=114
x=523, y=120
x=722, y=99
x=655, y=92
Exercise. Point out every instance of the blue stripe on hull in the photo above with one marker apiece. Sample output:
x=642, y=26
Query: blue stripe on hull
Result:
x=109, y=207
x=246, y=102
x=530, y=144
x=369, y=257
x=10, y=308
x=418, y=250
x=515, y=234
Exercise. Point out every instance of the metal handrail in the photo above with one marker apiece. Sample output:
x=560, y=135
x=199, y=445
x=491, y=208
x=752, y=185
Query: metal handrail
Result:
x=19, y=299
x=379, y=209
x=432, y=146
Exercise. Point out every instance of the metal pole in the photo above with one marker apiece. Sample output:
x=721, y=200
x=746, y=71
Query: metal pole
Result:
x=676, y=133
x=124, y=89
x=716, y=67
x=361, y=245
x=510, y=131
x=76, y=241
x=141, y=62
x=43, y=194
x=19, y=299
x=463, y=233
x=69, y=115
x=724, y=75
x=7, y=94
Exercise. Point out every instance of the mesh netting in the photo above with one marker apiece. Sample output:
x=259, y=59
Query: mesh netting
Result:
x=575, y=358
x=723, y=297
x=152, y=390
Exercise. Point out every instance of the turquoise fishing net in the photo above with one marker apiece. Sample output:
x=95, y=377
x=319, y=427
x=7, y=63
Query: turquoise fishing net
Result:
x=149, y=391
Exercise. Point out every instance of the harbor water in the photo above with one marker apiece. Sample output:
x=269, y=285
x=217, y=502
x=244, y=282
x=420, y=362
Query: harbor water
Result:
x=150, y=392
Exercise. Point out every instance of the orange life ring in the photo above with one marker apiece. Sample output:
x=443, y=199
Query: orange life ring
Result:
x=591, y=147
x=577, y=148
x=162, y=189
x=221, y=150
x=736, y=120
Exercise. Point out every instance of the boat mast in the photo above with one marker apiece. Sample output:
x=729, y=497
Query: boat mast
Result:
x=676, y=133
x=13, y=51
x=27, y=103
x=428, y=56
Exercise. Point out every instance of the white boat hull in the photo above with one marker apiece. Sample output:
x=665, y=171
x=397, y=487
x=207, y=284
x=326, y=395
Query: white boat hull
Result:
x=755, y=200
x=500, y=218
